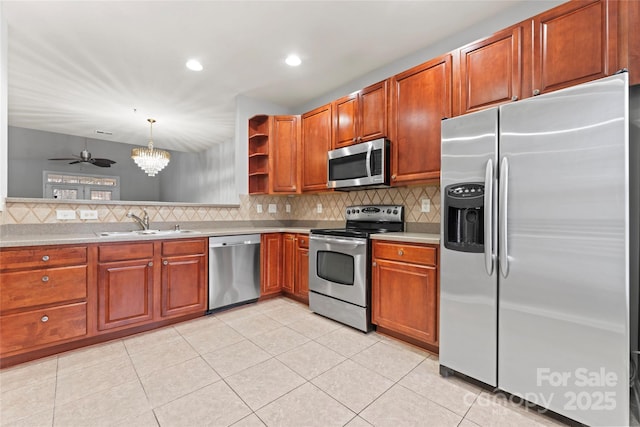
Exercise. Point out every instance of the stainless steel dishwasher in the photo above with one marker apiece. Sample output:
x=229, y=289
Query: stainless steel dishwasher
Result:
x=234, y=270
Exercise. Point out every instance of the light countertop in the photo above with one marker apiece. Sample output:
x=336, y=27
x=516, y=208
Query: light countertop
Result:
x=428, y=238
x=85, y=238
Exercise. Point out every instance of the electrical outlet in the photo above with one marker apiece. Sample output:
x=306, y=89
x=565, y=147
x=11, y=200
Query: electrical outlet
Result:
x=287, y=208
x=273, y=208
x=65, y=214
x=426, y=205
x=319, y=208
x=259, y=208
x=88, y=214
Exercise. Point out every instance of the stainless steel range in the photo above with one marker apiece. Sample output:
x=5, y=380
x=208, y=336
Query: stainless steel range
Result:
x=340, y=264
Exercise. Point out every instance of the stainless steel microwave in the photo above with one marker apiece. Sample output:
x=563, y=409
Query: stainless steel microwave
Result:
x=360, y=165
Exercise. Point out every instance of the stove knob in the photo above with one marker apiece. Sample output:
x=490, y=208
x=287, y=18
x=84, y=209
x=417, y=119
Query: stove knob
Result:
x=395, y=212
x=348, y=211
x=357, y=210
x=388, y=211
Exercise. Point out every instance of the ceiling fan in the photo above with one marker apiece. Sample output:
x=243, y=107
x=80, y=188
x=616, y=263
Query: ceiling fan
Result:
x=85, y=157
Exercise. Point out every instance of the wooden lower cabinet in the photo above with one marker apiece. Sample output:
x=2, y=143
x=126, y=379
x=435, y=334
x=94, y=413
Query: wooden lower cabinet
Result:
x=125, y=284
x=302, y=274
x=285, y=265
x=270, y=264
x=56, y=298
x=288, y=262
x=405, y=290
x=43, y=297
x=125, y=293
x=184, y=277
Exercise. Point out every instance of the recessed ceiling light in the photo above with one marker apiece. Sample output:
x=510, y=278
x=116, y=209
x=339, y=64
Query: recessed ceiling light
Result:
x=293, y=60
x=194, y=65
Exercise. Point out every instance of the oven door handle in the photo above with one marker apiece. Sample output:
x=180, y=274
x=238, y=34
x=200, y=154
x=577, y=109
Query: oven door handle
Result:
x=356, y=242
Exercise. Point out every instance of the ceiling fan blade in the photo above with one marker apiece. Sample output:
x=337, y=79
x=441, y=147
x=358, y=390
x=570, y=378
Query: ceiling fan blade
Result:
x=103, y=163
x=77, y=161
x=64, y=158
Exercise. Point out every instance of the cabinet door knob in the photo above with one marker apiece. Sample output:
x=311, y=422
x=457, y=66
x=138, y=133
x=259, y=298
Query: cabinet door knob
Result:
x=393, y=177
x=165, y=262
x=374, y=264
x=45, y=258
x=400, y=252
x=44, y=319
x=150, y=264
x=536, y=92
x=514, y=98
x=354, y=139
x=45, y=278
x=302, y=241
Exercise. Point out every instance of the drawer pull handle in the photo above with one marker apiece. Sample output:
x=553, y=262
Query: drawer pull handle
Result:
x=302, y=241
x=45, y=278
x=44, y=319
x=165, y=262
x=45, y=258
x=150, y=264
x=400, y=252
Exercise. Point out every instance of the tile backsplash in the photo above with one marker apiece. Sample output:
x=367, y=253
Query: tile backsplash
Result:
x=303, y=207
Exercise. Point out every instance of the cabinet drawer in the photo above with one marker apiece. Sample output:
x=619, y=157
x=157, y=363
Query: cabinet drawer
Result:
x=184, y=247
x=405, y=252
x=125, y=251
x=303, y=241
x=39, y=327
x=22, y=289
x=42, y=257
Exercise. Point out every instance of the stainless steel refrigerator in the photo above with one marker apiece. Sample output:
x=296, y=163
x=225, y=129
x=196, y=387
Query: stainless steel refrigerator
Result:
x=539, y=262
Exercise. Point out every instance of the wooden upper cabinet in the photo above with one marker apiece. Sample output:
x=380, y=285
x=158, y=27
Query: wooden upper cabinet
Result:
x=574, y=43
x=489, y=71
x=316, y=142
x=284, y=174
x=420, y=98
x=628, y=40
x=345, y=129
x=360, y=116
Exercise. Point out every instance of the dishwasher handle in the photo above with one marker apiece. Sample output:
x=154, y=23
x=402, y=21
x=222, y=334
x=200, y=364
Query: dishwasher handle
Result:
x=234, y=240
x=227, y=245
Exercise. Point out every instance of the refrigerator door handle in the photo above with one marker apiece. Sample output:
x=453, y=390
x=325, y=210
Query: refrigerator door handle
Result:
x=488, y=218
x=502, y=215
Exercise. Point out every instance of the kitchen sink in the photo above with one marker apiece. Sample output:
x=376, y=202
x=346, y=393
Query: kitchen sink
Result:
x=144, y=233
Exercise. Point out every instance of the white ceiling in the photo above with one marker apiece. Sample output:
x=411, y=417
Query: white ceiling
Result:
x=80, y=66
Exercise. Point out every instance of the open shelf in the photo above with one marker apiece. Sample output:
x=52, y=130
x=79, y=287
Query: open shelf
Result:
x=259, y=132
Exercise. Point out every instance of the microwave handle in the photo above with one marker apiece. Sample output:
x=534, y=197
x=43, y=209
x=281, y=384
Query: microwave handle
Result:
x=368, y=160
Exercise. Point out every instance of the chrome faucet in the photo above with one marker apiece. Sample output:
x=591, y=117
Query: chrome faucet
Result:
x=143, y=222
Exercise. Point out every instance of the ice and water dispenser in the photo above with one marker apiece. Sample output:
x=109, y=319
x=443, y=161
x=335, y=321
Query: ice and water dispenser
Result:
x=464, y=217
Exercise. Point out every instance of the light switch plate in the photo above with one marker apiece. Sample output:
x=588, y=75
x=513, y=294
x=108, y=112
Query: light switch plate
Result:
x=273, y=208
x=259, y=208
x=319, y=207
x=287, y=208
x=426, y=205
x=88, y=214
x=65, y=214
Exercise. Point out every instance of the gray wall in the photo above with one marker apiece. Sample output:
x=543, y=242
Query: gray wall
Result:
x=204, y=177
x=29, y=150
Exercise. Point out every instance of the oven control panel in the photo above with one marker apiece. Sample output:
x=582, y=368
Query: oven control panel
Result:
x=375, y=213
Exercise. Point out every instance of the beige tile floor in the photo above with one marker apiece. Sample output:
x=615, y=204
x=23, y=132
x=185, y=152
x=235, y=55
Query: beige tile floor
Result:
x=272, y=363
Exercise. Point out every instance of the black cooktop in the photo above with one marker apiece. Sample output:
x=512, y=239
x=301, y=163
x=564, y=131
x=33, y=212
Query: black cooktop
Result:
x=362, y=221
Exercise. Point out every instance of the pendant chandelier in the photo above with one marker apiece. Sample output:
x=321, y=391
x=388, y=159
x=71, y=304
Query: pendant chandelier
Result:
x=151, y=160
